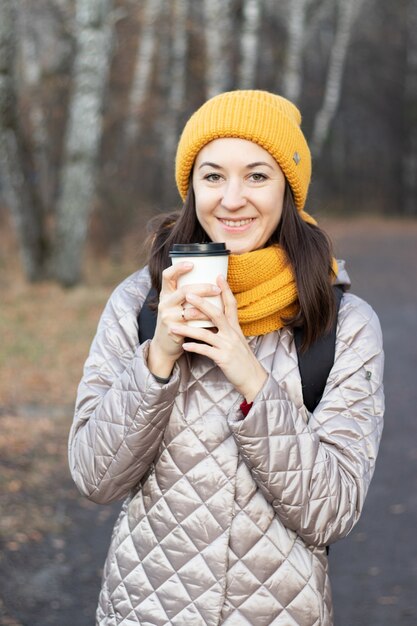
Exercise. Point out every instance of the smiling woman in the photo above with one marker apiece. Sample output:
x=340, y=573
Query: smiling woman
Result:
x=232, y=488
x=239, y=193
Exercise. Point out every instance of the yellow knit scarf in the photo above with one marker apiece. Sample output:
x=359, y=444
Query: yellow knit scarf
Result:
x=264, y=286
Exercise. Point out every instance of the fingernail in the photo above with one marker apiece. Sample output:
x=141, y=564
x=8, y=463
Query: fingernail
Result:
x=215, y=289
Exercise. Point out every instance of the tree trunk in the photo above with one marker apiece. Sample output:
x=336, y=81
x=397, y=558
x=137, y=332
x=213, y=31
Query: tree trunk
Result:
x=93, y=41
x=346, y=12
x=32, y=74
x=318, y=11
x=143, y=68
x=176, y=93
x=249, y=44
x=410, y=97
x=292, y=79
x=19, y=195
x=218, y=35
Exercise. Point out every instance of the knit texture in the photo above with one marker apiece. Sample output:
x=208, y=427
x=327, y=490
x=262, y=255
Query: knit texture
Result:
x=267, y=119
x=262, y=306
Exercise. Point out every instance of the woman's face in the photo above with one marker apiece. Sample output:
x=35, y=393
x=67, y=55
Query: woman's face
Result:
x=239, y=193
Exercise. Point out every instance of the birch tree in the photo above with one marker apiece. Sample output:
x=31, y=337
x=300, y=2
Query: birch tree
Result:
x=296, y=29
x=93, y=43
x=44, y=54
x=218, y=34
x=347, y=11
x=249, y=43
x=317, y=12
x=32, y=72
x=143, y=67
x=177, y=81
x=19, y=195
x=410, y=152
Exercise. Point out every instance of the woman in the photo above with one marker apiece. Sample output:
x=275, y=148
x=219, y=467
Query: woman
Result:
x=232, y=488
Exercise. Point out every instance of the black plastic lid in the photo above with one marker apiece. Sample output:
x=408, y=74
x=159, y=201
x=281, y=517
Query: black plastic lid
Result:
x=199, y=249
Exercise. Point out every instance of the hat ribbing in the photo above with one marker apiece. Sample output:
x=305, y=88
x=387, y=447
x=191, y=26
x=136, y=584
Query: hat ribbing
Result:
x=271, y=121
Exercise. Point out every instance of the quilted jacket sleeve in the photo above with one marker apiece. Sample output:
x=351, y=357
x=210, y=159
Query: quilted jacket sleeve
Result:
x=121, y=411
x=316, y=474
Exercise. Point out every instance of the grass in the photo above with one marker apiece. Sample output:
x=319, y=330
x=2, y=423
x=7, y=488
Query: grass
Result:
x=45, y=332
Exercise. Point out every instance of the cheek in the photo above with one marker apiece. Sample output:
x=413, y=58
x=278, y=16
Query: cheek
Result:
x=205, y=201
x=200, y=207
x=202, y=212
x=273, y=219
x=271, y=207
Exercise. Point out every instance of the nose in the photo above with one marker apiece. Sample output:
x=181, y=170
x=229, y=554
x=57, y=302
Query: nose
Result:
x=233, y=195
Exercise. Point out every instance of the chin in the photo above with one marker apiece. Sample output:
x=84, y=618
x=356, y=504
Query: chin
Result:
x=240, y=249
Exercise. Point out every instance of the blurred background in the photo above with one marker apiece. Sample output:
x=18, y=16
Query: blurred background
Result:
x=93, y=96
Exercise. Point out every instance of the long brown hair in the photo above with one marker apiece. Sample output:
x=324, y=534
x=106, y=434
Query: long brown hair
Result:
x=308, y=249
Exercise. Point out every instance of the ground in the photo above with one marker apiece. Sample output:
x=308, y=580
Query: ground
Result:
x=53, y=542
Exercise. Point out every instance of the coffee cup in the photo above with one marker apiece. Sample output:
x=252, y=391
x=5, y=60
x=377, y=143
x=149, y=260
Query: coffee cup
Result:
x=209, y=260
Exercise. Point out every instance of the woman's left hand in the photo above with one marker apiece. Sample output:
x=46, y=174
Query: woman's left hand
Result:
x=227, y=347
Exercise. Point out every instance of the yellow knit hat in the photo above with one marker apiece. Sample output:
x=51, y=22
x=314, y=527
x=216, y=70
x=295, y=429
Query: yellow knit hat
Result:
x=269, y=120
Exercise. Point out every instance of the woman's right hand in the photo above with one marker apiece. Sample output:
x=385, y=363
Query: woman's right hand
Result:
x=166, y=347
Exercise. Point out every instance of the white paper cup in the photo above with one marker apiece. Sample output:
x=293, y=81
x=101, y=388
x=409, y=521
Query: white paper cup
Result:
x=209, y=260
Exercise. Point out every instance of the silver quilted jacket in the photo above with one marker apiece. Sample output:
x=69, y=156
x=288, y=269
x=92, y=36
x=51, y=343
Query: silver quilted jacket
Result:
x=225, y=518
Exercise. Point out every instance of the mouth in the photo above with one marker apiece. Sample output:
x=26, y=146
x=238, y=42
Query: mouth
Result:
x=236, y=224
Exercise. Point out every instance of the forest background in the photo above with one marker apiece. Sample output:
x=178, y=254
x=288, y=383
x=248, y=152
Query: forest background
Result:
x=93, y=96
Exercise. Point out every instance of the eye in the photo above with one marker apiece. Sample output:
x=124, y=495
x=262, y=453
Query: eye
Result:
x=212, y=178
x=258, y=177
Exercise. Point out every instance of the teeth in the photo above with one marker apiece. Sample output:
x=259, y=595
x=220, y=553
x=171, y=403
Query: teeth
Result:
x=232, y=223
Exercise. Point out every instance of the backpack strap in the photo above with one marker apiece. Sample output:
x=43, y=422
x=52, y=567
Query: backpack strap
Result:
x=147, y=318
x=316, y=362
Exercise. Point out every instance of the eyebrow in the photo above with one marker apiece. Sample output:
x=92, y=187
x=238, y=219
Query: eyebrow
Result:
x=248, y=166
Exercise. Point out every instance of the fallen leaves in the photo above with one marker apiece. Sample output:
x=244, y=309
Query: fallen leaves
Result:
x=34, y=477
x=45, y=334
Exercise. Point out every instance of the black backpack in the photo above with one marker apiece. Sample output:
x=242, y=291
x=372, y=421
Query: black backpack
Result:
x=314, y=364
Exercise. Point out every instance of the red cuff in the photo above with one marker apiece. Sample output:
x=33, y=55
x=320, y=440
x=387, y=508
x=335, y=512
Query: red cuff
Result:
x=245, y=407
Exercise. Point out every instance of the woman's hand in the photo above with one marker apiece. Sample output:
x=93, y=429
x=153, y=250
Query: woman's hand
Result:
x=166, y=346
x=227, y=347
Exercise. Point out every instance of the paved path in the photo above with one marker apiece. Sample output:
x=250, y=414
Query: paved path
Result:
x=374, y=570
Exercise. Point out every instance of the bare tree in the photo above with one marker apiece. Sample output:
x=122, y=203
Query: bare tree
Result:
x=21, y=197
x=347, y=11
x=32, y=72
x=44, y=56
x=292, y=72
x=249, y=43
x=410, y=152
x=93, y=39
x=317, y=12
x=143, y=67
x=176, y=82
x=218, y=34
x=183, y=52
